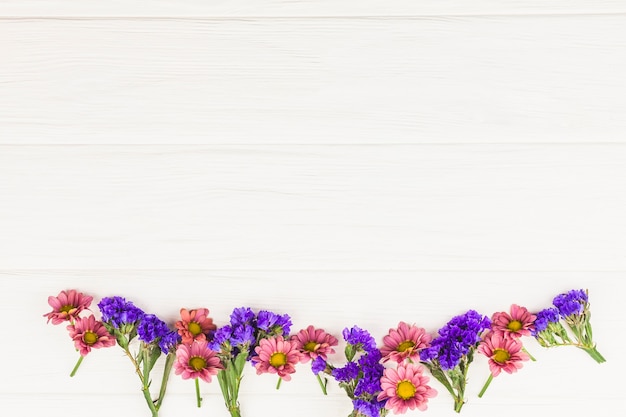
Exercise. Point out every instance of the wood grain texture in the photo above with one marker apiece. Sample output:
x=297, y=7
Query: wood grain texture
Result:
x=474, y=207
x=507, y=79
x=310, y=8
x=329, y=299
x=345, y=162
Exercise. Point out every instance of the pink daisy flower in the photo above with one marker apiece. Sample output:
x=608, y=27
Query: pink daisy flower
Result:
x=67, y=306
x=276, y=356
x=312, y=342
x=404, y=342
x=405, y=388
x=88, y=333
x=520, y=322
x=197, y=361
x=195, y=325
x=504, y=353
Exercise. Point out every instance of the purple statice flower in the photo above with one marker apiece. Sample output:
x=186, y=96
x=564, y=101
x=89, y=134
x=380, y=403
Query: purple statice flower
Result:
x=544, y=318
x=273, y=323
x=220, y=338
x=242, y=316
x=359, y=337
x=169, y=341
x=572, y=302
x=242, y=336
x=117, y=312
x=371, y=373
x=151, y=328
x=461, y=334
x=368, y=408
x=347, y=373
x=318, y=365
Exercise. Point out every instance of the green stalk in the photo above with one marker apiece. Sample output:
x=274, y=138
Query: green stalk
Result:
x=593, y=352
x=198, y=398
x=169, y=363
x=482, y=391
x=80, y=360
x=146, y=382
x=322, y=384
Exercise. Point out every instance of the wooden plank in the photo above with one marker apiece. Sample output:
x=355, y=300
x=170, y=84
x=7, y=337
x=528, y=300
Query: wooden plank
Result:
x=475, y=207
x=284, y=8
x=431, y=80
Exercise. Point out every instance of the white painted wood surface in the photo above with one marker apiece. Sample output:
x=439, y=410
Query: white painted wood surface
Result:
x=346, y=162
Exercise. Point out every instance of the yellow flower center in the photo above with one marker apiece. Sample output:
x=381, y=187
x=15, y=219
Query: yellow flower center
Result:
x=278, y=359
x=514, y=325
x=194, y=328
x=66, y=309
x=405, y=390
x=500, y=355
x=310, y=346
x=407, y=344
x=197, y=363
x=90, y=338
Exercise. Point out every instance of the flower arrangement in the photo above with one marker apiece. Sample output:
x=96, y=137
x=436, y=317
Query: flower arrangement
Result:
x=259, y=338
x=450, y=354
x=571, y=308
x=393, y=378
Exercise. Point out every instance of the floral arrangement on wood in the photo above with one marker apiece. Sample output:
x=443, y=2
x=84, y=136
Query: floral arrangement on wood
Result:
x=393, y=378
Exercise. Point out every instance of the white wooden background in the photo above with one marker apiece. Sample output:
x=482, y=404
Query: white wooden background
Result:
x=346, y=162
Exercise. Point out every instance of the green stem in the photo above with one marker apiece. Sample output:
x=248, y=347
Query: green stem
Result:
x=198, y=398
x=532, y=358
x=280, y=380
x=482, y=391
x=234, y=411
x=322, y=384
x=80, y=360
x=593, y=352
x=169, y=363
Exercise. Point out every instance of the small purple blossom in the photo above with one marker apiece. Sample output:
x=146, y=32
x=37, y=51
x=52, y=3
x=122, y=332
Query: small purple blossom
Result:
x=359, y=337
x=169, y=342
x=242, y=316
x=572, y=302
x=461, y=334
x=150, y=328
x=349, y=372
x=242, y=335
x=117, y=312
x=368, y=408
x=273, y=323
x=544, y=318
x=318, y=365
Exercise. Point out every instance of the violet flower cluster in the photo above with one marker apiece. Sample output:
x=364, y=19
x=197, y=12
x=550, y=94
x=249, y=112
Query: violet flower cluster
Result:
x=259, y=338
x=126, y=322
x=571, y=308
x=449, y=356
x=361, y=376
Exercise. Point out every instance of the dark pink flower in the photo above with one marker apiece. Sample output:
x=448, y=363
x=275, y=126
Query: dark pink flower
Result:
x=520, y=322
x=312, y=342
x=276, y=356
x=67, y=306
x=404, y=342
x=504, y=353
x=197, y=361
x=88, y=333
x=195, y=325
x=405, y=388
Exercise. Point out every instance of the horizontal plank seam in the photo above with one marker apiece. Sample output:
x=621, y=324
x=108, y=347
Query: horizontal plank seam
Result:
x=279, y=144
x=304, y=17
